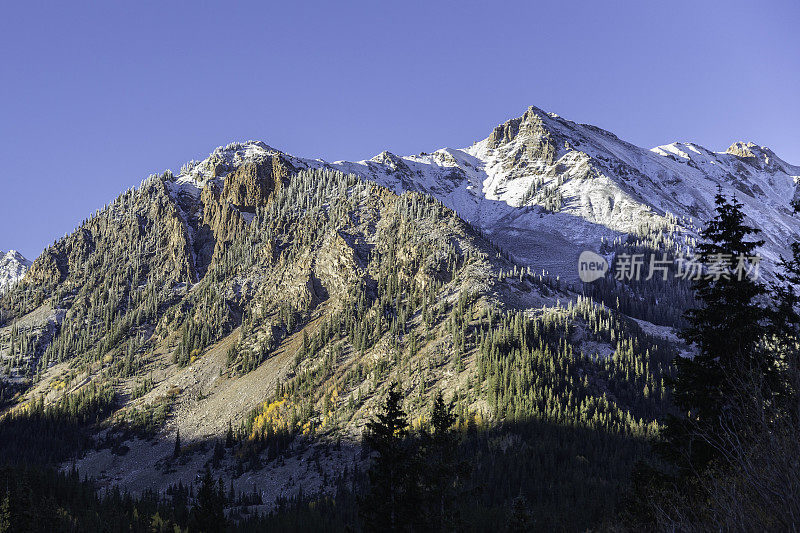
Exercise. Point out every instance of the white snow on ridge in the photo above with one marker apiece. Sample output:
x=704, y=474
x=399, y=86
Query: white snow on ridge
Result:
x=545, y=187
x=13, y=267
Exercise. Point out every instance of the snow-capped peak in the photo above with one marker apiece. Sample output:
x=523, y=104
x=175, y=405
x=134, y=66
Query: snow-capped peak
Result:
x=545, y=186
x=13, y=267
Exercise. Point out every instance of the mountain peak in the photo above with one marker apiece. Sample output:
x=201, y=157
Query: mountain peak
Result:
x=759, y=156
x=13, y=267
x=13, y=255
x=747, y=149
x=391, y=161
x=246, y=146
x=533, y=123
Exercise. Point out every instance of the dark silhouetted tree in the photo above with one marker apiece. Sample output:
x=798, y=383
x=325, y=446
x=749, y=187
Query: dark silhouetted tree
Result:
x=519, y=519
x=440, y=469
x=727, y=329
x=391, y=502
x=208, y=514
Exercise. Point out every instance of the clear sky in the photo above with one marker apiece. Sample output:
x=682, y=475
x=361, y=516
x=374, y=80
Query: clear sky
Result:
x=95, y=98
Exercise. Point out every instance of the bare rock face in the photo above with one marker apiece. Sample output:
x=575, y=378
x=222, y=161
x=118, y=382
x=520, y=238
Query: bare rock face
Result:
x=252, y=183
x=249, y=185
x=216, y=166
x=531, y=129
x=337, y=265
x=225, y=208
x=392, y=162
x=220, y=217
x=743, y=149
x=165, y=219
x=760, y=157
x=50, y=267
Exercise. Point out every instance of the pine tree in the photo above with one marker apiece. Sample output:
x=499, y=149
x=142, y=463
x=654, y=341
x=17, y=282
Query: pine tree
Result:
x=736, y=451
x=440, y=472
x=727, y=329
x=785, y=328
x=390, y=503
x=229, y=435
x=519, y=520
x=208, y=514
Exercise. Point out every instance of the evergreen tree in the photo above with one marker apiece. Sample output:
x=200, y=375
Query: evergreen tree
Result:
x=229, y=435
x=390, y=503
x=440, y=472
x=519, y=520
x=208, y=514
x=785, y=329
x=737, y=450
x=727, y=329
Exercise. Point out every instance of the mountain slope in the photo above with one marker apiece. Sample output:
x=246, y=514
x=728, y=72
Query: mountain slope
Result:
x=256, y=294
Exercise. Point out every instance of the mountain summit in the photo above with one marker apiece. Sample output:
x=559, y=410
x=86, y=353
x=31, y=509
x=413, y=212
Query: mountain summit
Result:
x=13, y=267
x=546, y=188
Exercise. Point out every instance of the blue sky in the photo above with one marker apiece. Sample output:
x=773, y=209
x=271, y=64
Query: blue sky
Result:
x=95, y=98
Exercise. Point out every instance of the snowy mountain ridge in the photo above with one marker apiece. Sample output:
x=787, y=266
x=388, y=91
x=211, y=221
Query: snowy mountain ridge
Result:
x=13, y=267
x=546, y=188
